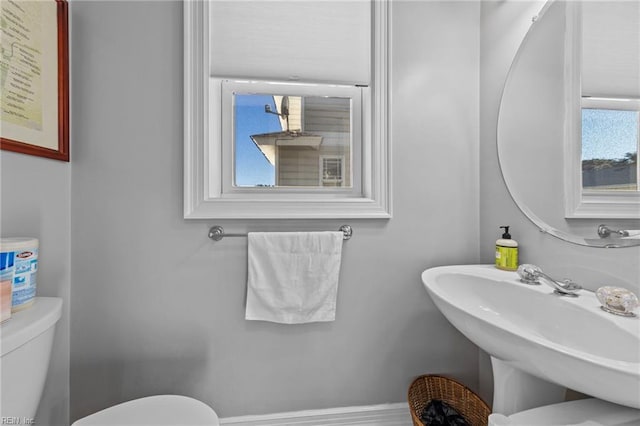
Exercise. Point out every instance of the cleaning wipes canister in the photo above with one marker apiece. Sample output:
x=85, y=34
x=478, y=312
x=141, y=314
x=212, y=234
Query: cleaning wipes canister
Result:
x=7, y=270
x=25, y=268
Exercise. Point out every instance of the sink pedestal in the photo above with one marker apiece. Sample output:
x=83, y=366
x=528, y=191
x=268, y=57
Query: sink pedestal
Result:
x=515, y=390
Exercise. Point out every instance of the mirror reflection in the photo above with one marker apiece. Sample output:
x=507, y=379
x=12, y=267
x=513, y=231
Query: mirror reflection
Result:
x=609, y=42
x=609, y=149
x=292, y=141
x=568, y=123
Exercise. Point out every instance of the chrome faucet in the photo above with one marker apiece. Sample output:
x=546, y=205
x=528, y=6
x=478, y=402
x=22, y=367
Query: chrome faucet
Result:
x=531, y=274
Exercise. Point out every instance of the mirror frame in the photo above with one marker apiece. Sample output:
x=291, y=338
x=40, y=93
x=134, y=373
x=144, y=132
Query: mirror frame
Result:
x=204, y=197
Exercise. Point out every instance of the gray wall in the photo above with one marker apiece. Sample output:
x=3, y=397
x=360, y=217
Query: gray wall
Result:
x=36, y=203
x=158, y=307
x=503, y=25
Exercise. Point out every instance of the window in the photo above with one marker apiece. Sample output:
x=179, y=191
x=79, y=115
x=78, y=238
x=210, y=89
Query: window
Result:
x=603, y=110
x=278, y=95
x=331, y=171
x=280, y=131
x=610, y=144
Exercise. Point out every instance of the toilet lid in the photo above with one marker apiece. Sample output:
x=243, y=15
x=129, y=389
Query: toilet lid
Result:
x=159, y=410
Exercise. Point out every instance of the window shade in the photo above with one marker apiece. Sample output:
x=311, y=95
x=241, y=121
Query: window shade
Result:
x=611, y=49
x=312, y=40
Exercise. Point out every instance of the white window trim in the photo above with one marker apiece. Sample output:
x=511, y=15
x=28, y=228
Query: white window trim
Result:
x=204, y=197
x=581, y=204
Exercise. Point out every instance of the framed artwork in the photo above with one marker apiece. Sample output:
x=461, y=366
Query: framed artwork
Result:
x=34, y=71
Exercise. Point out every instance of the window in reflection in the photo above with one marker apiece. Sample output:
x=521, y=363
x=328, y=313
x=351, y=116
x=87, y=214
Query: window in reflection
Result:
x=292, y=141
x=610, y=149
x=610, y=90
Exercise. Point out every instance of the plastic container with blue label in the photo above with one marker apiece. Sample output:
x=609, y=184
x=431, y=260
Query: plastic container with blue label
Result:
x=7, y=269
x=25, y=268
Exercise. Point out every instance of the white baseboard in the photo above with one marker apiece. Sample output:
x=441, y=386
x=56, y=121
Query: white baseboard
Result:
x=370, y=415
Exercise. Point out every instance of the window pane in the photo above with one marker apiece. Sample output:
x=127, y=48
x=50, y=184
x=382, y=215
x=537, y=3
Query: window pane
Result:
x=331, y=173
x=280, y=140
x=251, y=165
x=609, y=149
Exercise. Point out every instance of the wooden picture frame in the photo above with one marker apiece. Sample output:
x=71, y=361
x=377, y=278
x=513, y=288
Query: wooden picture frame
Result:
x=35, y=79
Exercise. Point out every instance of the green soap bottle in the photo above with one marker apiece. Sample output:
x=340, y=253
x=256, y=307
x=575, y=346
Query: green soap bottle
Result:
x=506, y=252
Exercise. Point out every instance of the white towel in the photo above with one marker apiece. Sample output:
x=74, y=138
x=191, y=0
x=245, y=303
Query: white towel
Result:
x=293, y=276
x=634, y=234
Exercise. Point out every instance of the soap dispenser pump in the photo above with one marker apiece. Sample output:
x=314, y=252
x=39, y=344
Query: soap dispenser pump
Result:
x=506, y=252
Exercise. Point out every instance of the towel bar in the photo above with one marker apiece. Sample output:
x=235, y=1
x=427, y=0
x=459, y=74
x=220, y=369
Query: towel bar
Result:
x=604, y=231
x=216, y=233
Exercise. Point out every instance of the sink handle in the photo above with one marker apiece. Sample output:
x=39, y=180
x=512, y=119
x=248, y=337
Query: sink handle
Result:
x=529, y=274
x=617, y=300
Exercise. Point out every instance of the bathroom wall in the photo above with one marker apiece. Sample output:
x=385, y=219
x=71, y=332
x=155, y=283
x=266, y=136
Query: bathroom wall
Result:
x=503, y=25
x=36, y=203
x=158, y=307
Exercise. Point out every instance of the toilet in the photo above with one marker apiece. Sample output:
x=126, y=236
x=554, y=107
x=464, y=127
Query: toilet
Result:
x=26, y=341
x=584, y=412
x=158, y=410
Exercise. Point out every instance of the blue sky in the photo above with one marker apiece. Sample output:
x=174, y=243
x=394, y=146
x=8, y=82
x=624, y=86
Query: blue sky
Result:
x=252, y=168
x=608, y=133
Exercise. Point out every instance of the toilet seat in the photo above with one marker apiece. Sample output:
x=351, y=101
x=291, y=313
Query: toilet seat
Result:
x=159, y=410
x=584, y=412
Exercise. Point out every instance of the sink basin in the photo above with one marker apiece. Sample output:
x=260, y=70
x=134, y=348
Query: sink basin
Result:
x=539, y=342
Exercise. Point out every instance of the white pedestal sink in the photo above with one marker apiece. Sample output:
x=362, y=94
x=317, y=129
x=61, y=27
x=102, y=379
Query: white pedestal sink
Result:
x=539, y=343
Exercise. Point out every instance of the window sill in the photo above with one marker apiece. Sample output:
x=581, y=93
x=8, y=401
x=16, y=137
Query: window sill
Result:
x=606, y=205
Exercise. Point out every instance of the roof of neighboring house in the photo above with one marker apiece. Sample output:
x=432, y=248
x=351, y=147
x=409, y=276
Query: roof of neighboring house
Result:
x=267, y=142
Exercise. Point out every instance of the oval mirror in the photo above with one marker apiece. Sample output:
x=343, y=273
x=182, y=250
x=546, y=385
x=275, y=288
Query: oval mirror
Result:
x=548, y=163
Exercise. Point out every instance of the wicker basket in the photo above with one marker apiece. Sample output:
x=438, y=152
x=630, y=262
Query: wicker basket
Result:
x=428, y=387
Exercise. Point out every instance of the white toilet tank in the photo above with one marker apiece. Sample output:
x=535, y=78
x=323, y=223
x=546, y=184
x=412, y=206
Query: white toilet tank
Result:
x=25, y=343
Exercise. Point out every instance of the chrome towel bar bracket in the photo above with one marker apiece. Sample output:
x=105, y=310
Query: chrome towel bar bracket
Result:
x=216, y=233
x=604, y=231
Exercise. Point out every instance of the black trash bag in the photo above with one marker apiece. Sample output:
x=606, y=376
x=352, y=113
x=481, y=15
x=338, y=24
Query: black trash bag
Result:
x=438, y=413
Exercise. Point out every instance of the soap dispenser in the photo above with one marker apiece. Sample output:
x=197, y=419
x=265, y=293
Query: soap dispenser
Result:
x=506, y=252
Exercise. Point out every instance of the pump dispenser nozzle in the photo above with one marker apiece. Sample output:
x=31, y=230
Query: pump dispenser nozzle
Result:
x=506, y=234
